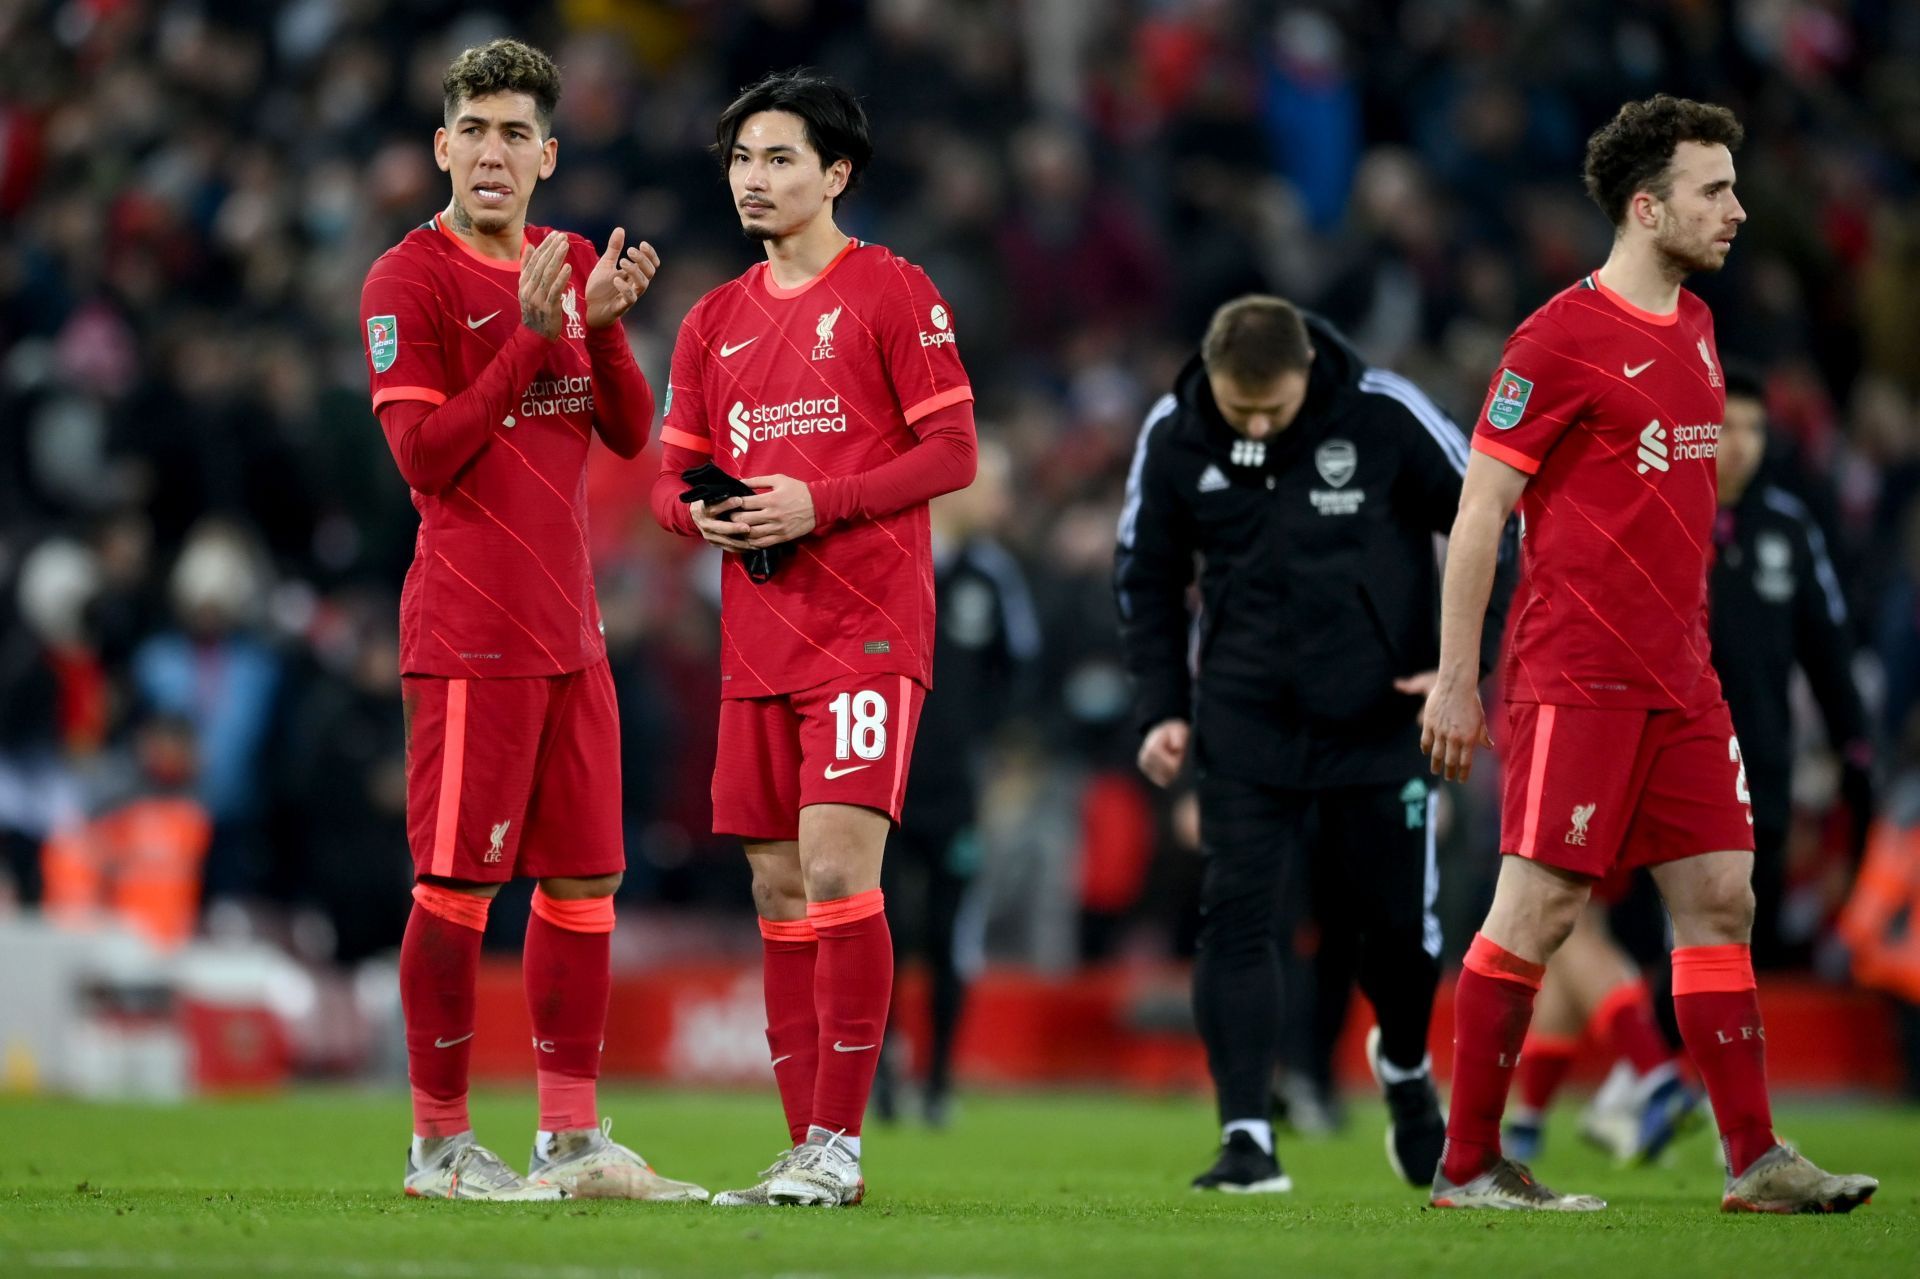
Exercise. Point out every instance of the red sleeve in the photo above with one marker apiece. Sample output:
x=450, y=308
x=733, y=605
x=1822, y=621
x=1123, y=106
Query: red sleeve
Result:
x=622, y=400
x=918, y=335
x=686, y=438
x=942, y=461
x=1538, y=393
x=671, y=513
x=433, y=441
x=400, y=315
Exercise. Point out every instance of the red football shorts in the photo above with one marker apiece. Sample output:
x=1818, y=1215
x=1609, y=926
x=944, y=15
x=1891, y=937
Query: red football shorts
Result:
x=845, y=742
x=511, y=777
x=1592, y=791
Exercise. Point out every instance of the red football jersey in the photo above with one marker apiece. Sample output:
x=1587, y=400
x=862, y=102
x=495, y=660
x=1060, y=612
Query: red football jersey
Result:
x=1616, y=414
x=500, y=584
x=815, y=382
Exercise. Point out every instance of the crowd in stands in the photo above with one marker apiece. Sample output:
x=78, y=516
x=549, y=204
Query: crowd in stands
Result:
x=202, y=535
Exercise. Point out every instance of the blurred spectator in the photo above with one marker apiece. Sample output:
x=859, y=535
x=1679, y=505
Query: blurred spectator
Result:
x=216, y=672
x=1878, y=923
x=54, y=704
x=137, y=862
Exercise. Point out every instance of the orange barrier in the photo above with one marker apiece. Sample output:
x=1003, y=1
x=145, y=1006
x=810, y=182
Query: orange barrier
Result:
x=1126, y=1028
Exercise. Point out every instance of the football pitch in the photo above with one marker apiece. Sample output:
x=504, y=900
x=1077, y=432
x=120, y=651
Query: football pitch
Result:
x=1058, y=1185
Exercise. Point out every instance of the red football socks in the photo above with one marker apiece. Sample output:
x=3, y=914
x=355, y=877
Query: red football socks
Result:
x=439, y=959
x=568, y=981
x=852, y=986
x=1719, y=1013
x=1624, y=1018
x=1492, y=1005
x=1544, y=1063
x=793, y=1031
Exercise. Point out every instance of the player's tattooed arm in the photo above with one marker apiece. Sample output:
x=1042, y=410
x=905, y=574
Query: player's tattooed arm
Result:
x=619, y=278
x=543, y=282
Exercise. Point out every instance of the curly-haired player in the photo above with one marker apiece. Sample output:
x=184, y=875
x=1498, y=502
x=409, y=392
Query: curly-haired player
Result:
x=497, y=353
x=1602, y=424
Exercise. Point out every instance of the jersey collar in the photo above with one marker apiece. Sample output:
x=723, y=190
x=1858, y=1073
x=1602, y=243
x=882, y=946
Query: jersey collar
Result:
x=496, y=263
x=766, y=274
x=1649, y=317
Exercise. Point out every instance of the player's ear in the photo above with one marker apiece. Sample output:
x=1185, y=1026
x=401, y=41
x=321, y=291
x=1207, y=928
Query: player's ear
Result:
x=838, y=174
x=440, y=156
x=1644, y=208
x=549, y=156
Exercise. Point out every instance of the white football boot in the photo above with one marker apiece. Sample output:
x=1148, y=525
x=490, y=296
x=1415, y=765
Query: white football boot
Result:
x=590, y=1164
x=462, y=1168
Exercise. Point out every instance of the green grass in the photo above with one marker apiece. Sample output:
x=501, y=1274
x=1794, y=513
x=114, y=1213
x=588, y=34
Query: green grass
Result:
x=1056, y=1185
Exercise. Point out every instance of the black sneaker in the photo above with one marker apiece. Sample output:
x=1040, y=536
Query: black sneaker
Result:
x=1244, y=1169
x=1416, y=1130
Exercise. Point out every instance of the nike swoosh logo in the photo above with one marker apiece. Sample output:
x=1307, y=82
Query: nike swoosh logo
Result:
x=725, y=351
x=1636, y=372
x=850, y=1048
x=778, y=1060
x=833, y=772
x=474, y=324
x=448, y=1043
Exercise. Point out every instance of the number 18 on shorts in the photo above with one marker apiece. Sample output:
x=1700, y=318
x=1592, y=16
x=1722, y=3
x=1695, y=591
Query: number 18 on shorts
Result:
x=846, y=742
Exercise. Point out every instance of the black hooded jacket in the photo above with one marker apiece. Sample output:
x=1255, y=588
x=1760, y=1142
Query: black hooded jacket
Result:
x=1314, y=555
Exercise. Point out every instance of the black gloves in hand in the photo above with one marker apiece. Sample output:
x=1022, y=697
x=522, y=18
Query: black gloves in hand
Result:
x=709, y=484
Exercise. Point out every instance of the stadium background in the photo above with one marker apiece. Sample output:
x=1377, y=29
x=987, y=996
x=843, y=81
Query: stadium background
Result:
x=202, y=534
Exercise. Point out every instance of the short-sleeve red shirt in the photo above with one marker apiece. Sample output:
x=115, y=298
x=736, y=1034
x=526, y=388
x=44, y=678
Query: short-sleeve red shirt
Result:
x=820, y=381
x=1615, y=412
x=500, y=583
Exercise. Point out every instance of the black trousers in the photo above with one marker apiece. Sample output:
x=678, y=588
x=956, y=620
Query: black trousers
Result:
x=1372, y=849
x=925, y=876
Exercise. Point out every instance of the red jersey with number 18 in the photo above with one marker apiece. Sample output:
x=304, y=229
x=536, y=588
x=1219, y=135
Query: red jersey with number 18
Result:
x=817, y=382
x=500, y=584
x=1615, y=412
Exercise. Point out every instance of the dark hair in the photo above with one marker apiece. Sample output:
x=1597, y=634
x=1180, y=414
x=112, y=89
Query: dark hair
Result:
x=503, y=66
x=1256, y=338
x=835, y=121
x=1745, y=381
x=1634, y=150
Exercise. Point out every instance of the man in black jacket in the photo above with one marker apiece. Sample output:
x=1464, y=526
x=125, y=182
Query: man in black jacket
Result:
x=1308, y=488
x=1776, y=603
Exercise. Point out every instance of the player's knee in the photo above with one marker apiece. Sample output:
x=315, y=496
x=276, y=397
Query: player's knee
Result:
x=567, y=888
x=829, y=879
x=1728, y=913
x=469, y=887
x=1536, y=919
x=778, y=898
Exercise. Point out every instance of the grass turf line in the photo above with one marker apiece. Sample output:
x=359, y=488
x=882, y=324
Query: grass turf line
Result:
x=1062, y=1185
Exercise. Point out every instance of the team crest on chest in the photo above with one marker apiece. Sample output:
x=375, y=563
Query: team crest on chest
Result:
x=1713, y=370
x=1335, y=460
x=570, y=303
x=823, y=333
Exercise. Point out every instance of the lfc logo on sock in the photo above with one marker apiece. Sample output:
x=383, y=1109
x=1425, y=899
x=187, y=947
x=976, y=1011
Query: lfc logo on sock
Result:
x=1746, y=1032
